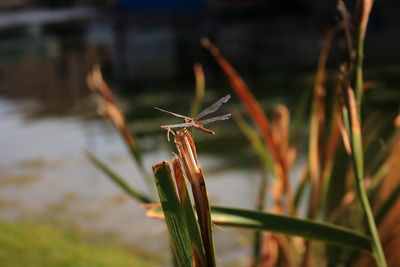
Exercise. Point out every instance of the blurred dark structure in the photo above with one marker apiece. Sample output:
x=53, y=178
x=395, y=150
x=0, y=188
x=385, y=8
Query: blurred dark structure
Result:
x=144, y=44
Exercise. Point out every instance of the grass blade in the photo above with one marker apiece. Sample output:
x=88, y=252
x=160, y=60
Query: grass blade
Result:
x=301, y=188
x=358, y=164
x=299, y=115
x=174, y=214
x=330, y=158
x=136, y=194
x=190, y=216
x=256, y=220
x=365, y=9
x=317, y=119
x=267, y=164
x=255, y=141
x=200, y=90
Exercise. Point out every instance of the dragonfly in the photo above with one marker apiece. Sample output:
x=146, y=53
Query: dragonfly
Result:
x=197, y=122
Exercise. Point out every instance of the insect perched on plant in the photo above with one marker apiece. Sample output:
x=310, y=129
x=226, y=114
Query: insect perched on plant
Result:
x=196, y=122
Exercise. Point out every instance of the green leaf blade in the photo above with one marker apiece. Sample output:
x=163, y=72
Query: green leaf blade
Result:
x=134, y=193
x=310, y=229
x=174, y=215
x=188, y=210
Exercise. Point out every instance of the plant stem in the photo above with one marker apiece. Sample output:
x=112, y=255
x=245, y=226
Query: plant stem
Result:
x=131, y=191
x=355, y=131
x=358, y=164
x=359, y=71
x=364, y=13
x=376, y=243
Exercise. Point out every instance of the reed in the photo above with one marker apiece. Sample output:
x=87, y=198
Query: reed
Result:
x=338, y=175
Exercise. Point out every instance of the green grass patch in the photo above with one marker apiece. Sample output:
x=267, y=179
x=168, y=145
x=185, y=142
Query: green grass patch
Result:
x=26, y=244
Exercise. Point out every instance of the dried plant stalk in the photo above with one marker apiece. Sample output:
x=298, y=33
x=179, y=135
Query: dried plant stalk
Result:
x=251, y=104
x=316, y=122
x=108, y=106
x=365, y=10
x=200, y=89
x=194, y=232
x=187, y=151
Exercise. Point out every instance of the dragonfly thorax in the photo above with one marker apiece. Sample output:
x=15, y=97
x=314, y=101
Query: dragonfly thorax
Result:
x=190, y=120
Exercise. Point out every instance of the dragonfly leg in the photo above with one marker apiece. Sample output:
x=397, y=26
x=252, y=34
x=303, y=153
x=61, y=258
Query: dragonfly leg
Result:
x=168, y=132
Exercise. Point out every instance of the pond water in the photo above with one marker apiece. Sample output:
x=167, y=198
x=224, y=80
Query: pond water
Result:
x=48, y=121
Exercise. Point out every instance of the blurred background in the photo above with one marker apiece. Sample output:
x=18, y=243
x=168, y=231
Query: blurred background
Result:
x=147, y=50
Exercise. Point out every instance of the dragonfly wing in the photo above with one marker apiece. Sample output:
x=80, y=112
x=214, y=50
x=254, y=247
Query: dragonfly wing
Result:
x=178, y=125
x=214, y=107
x=175, y=114
x=219, y=118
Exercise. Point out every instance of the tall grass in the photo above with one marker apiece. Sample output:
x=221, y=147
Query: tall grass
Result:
x=335, y=176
